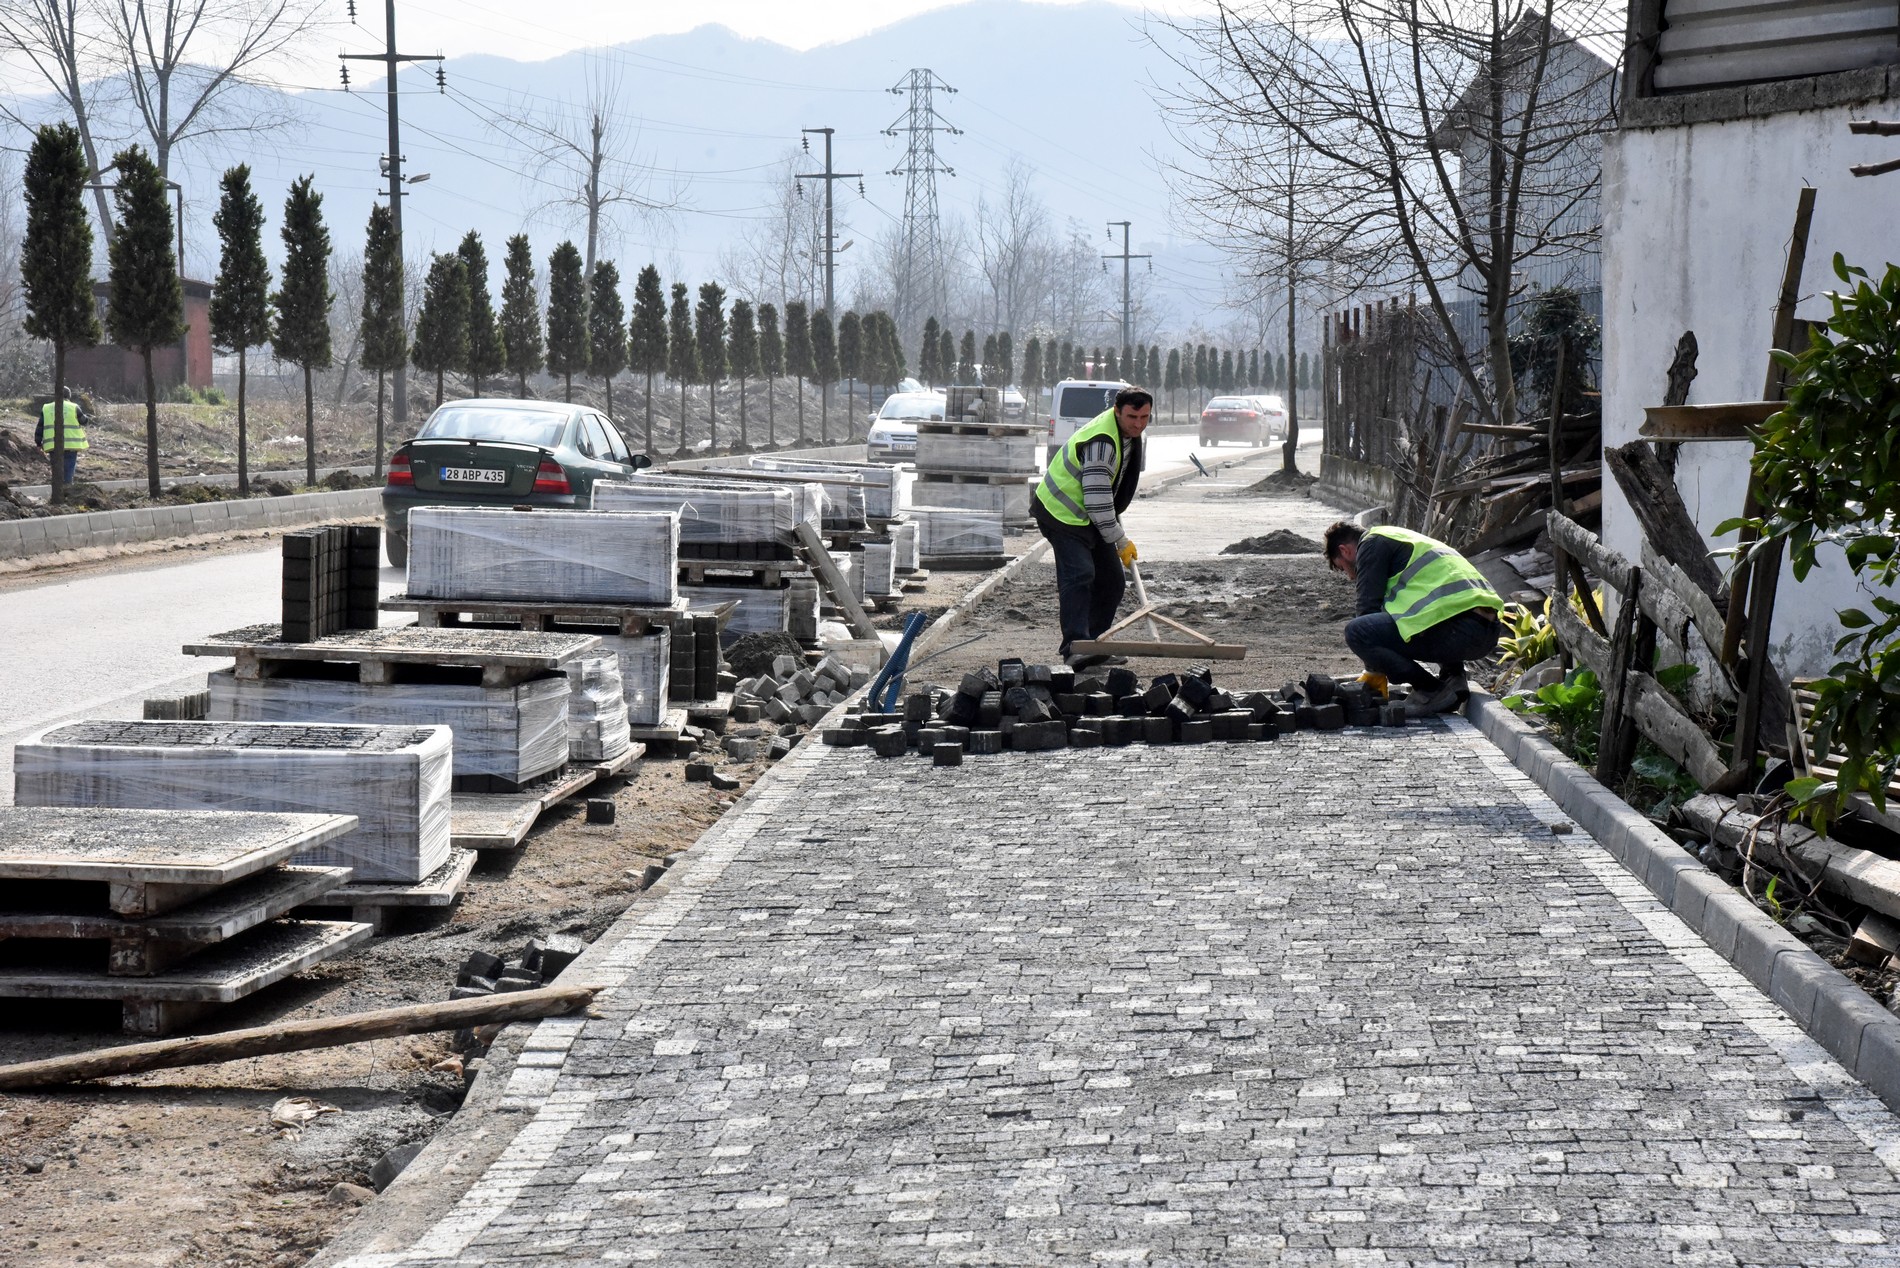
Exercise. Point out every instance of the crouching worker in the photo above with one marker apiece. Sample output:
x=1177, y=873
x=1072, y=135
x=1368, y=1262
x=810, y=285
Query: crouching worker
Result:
x=1090, y=482
x=1419, y=600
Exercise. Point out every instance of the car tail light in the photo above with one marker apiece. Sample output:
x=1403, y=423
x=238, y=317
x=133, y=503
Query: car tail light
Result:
x=1247, y=413
x=550, y=478
x=1052, y=427
x=400, y=473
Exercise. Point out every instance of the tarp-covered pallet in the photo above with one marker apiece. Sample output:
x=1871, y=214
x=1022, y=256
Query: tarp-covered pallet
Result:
x=550, y=556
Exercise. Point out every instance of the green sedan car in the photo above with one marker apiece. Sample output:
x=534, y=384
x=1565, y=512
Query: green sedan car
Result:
x=502, y=453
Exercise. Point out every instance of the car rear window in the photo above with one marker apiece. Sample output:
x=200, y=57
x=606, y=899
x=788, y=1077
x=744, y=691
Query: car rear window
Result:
x=913, y=407
x=1230, y=402
x=1085, y=402
x=516, y=426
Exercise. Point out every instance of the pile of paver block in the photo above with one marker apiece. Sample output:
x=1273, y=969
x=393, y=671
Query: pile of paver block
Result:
x=538, y=963
x=394, y=779
x=168, y=913
x=330, y=578
x=1027, y=708
x=795, y=693
x=544, y=555
x=597, y=726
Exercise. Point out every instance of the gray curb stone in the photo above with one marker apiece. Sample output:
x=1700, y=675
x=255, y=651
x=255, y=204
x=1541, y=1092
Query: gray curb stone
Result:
x=30, y=538
x=1838, y=1015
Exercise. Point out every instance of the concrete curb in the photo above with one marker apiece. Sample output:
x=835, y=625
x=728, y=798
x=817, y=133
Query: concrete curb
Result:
x=1838, y=1015
x=107, y=531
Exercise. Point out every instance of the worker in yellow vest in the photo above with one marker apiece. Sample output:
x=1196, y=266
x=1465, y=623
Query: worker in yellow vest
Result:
x=72, y=423
x=1090, y=482
x=1418, y=600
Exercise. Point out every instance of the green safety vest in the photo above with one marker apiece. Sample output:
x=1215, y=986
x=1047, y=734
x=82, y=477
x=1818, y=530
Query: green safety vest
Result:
x=1061, y=487
x=75, y=434
x=1436, y=584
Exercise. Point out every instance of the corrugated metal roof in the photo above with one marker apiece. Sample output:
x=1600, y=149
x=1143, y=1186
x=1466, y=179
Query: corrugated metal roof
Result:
x=1711, y=43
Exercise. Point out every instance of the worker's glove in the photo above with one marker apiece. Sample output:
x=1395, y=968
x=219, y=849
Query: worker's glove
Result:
x=1127, y=552
x=1378, y=683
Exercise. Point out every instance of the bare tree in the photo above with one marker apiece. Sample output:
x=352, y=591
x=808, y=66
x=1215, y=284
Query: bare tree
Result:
x=346, y=323
x=185, y=60
x=1012, y=233
x=1436, y=144
x=58, y=39
x=777, y=260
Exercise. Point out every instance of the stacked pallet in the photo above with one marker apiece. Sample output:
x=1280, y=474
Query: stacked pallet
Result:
x=501, y=690
x=557, y=556
x=973, y=460
x=877, y=481
x=394, y=780
x=167, y=913
x=714, y=511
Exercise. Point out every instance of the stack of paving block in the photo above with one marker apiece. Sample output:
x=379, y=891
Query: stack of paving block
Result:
x=713, y=511
x=394, y=779
x=596, y=709
x=544, y=556
x=793, y=693
x=875, y=495
x=168, y=913
x=802, y=601
x=974, y=460
x=1028, y=708
x=959, y=539
x=906, y=557
x=330, y=580
x=645, y=662
x=878, y=564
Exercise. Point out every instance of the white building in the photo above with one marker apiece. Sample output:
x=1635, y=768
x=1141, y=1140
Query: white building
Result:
x=1729, y=108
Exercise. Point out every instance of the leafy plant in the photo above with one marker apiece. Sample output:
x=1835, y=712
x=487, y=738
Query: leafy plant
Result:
x=1530, y=639
x=1829, y=475
x=1574, y=706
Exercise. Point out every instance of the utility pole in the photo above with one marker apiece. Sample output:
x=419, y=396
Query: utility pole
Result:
x=921, y=259
x=831, y=235
x=392, y=162
x=1125, y=258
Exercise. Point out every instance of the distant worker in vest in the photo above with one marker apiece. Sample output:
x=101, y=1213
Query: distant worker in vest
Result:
x=1419, y=600
x=73, y=424
x=1079, y=504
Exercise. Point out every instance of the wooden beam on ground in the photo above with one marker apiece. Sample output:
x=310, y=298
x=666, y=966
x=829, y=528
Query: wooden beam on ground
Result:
x=1733, y=420
x=1579, y=639
x=1175, y=651
x=1586, y=548
x=1652, y=495
x=819, y=556
x=1612, y=762
x=1661, y=717
x=299, y=1036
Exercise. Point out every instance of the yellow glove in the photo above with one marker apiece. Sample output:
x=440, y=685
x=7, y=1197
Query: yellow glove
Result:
x=1378, y=683
x=1127, y=552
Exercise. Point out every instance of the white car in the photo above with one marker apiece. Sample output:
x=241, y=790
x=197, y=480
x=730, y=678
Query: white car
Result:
x=893, y=435
x=1076, y=403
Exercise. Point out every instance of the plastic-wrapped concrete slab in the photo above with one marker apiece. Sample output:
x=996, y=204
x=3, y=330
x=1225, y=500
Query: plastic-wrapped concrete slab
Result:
x=646, y=661
x=945, y=532
x=558, y=556
x=879, y=479
x=1006, y=454
x=394, y=779
x=715, y=511
x=879, y=564
x=760, y=610
x=513, y=733
x=597, y=726
x=1009, y=501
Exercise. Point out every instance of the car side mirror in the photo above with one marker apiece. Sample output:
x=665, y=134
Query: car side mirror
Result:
x=641, y=462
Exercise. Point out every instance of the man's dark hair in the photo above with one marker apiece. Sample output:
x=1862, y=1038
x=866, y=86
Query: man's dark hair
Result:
x=1134, y=397
x=1342, y=533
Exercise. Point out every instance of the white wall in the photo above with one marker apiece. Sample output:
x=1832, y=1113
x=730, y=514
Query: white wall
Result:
x=1695, y=230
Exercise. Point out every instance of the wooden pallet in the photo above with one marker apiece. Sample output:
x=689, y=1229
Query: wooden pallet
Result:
x=737, y=572
x=1802, y=698
x=667, y=731
x=372, y=902
x=971, y=477
x=502, y=821
x=737, y=552
x=506, y=658
x=965, y=563
x=535, y=617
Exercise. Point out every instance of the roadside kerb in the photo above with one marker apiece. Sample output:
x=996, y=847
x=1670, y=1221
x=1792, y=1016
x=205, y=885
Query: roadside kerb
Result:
x=36, y=539
x=1838, y=1015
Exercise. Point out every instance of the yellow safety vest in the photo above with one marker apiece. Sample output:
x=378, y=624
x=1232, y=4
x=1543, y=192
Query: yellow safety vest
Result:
x=1061, y=487
x=1436, y=584
x=75, y=434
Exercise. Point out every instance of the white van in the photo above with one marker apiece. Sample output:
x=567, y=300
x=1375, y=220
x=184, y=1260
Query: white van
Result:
x=1077, y=402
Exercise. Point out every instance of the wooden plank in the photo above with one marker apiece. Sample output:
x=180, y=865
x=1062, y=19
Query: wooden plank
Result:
x=1580, y=640
x=1875, y=940
x=672, y=722
x=501, y=821
x=405, y=645
x=1588, y=549
x=1732, y=420
x=300, y=1036
x=226, y=972
x=1652, y=495
x=223, y=913
x=1661, y=717
x=1862, y=875
x=1612, y=762
x=1766, y=568
x=439, y=888
x=834, y=582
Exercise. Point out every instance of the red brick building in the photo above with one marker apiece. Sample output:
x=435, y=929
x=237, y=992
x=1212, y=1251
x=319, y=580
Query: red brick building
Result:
x=117, y=373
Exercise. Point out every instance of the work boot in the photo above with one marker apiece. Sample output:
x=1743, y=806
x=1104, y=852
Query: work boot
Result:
x=1080, y=660
x=1444, y=699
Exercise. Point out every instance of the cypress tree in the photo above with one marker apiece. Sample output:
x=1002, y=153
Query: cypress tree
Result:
x=1279, y=372
x=385, y=342
x=567, y=317
x=966, y=359
x=486, y=353
x=1227, y=371
x=929, y=368
x=301, y=335
x=1253, y=369
x=1306, y=376
x=986, y=368
x=442, y=325
x=646, y=335
x=147, y=305
x=742, y=356
x=520, y=314
x=1032, y=378
x=240, y=302
x=1200, y=367
x=895, y=348
x=1066, y=363
x=1097, y=363
x=850, y=363
x=798, y=354
x=606, y=328
x=824, y=367
x=1171, y=379
x=875, y=364
x=946, y=356
x=709, y=332
x=1006, y=357
x=683, y=353
x=56, y=264
x=1114, y=370
x=1154, y=364
x=771, y=365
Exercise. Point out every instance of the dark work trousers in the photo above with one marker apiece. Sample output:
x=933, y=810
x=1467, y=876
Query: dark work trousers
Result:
x=1375, y=640
x=1089, y=580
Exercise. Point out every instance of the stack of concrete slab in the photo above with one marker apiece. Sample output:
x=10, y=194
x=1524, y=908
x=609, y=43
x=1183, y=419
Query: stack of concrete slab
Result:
x=945, y=538
x=643, y=662
x=973, y=460
x=554, y=556
x=715, y=511
x=802, y=600
x=169, y=913
x=875, y=492
x=905, y=553
x=879, y=562
x=597, y=726
x=1006, y=497
x=950, y=448
x=394, y=780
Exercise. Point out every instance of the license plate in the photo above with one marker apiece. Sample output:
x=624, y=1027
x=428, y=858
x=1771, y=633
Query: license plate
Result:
x=475, y=475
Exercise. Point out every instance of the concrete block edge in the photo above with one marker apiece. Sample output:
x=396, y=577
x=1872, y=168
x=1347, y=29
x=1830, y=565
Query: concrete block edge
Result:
x=1834, y=1012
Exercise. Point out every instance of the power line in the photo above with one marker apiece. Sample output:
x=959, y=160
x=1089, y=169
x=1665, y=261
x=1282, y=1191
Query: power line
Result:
x=1126, y=259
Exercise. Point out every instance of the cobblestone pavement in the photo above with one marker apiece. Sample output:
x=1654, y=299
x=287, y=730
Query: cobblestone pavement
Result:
x=1361, y=998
